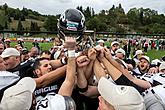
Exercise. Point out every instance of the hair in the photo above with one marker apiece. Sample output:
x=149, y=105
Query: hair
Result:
x=120, y=62
x=46, y=52
x=37, y=63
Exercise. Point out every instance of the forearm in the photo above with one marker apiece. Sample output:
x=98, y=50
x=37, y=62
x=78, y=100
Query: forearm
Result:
x=112, y=70
x=116, y=64
x=98, y=70
x=141, y=83
x=67, y=86
x=81, y=79
x=50, y=77
x=89, y=69
x=56, y=63
x=71, y=70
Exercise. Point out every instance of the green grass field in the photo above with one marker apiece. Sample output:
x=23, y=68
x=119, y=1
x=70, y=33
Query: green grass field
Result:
x=153, y=54
x=44, y=46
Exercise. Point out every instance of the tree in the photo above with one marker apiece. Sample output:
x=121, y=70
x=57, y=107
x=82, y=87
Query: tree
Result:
x=20, y=26
x=96, y=23
x=87, y=13
x=34, y=26
x=6, y=25
x=22, y=17
x=80, y=8
x=133, y=17
x=51, y=23
x=17, y=14
x=25, y=11
x=1, y=27
x=141, y=16
x=5, y=6
x=9, y=19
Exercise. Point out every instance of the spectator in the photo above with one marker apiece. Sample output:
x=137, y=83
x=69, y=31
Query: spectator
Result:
x=7, y=43
x=45, y=54
x=143, y=66
x=127, y=48
x=146, y=45
x=20, y=42
x=24, y=55
x=138, y=54
x=13, y=63
x=120, y=54
x=1, y=48
x=101, y=42
x=34, y=52
x=36, y=44
x=18, y=47
x=114, y=47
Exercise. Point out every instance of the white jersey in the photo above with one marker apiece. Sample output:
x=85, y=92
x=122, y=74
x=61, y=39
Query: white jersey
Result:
x=7, y=78
x=155, y=79
x=160, y=91
x=148, y=77
x=56, y=102
x=136, y=73
x=51, y=102
x=159, y=79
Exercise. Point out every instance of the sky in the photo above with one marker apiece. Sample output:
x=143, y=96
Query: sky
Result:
x=54, y=7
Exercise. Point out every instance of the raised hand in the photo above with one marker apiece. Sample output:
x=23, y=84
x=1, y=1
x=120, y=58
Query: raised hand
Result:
x=107, y=53
x=82, y=61
x=70, y=43
x=92, y=54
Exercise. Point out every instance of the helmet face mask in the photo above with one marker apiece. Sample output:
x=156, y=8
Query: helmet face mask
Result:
x=71, y=24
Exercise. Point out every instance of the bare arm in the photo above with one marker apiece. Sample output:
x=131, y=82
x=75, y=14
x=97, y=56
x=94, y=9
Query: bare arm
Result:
x=50, y=77
x=139, y=82
x=81, y=79
x=92, y=57
x=98, y=70
x=68, y=84
x=112, y=70
x=56, y=63
x=142, y=83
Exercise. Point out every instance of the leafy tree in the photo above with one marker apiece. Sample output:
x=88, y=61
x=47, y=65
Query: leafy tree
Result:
x=20, y=26
x=11, y=12
x=141, y=16
x=87, y=13
x=1, y=27
x=5, y=6
x=34, y=26
x=17, y=14
x=96, y=23
x=133, y=17
x=6, y=25
x=80, y=8
x=51, y=23
x=22, y=17
x=9, y=19
x=25, y=11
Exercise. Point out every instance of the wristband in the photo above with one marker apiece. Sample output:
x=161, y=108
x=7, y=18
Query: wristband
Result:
x=82, y=90
x=71, y=53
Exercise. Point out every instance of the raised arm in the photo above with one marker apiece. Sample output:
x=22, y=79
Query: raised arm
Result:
x=92, y=57
x=68, y=84
x=48, y=78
